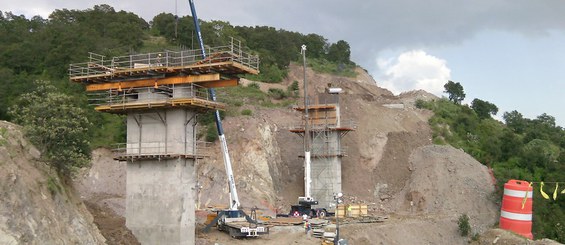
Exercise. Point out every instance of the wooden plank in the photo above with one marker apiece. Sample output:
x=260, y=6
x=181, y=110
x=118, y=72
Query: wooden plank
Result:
x=220, y=83
x=151, y=82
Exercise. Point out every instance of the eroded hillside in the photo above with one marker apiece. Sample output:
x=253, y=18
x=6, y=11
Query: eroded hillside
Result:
x=35, y=208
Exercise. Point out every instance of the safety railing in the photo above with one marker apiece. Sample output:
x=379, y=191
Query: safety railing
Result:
x=99, y=64
x=149, y=95
x=132, y=149
x=321, y=124
x=321, y=150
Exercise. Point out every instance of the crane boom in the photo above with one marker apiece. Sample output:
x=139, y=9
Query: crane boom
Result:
x=234, y=199
x=307, y=199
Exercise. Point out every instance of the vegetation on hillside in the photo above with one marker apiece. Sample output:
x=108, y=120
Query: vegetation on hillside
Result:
x=519, y=148
x=55, y=125
x=42, y=49
x=275, y=47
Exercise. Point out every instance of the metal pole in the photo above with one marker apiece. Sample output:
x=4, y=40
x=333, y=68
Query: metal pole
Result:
x=336, y=239
x=306, y=129
x=306, y=132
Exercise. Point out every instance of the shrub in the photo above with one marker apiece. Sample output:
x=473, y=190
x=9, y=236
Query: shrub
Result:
x=476, y=237
x=254, y=85
x=53, y=186
x=464, y=226
x=211, y=133
x=246, y=112
x=277, y=93
x=293, y=89
x=326, y=66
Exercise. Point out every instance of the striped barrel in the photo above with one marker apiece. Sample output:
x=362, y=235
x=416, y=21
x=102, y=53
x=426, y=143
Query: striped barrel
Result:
x=513, y=216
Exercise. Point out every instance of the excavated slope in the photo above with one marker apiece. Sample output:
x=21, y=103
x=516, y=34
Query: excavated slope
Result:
x=35, y=208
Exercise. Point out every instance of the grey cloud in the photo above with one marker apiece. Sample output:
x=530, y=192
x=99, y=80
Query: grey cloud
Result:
x=369, y=26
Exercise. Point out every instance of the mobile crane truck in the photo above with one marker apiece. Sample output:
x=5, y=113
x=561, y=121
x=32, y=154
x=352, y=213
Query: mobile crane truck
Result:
x=233, y=220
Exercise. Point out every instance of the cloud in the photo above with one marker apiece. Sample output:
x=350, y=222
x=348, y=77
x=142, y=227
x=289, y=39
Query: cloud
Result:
x=413, y=70
x=368, y=26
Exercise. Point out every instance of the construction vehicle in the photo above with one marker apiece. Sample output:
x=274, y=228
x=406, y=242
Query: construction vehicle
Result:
x=306, y=203
x=232, y=220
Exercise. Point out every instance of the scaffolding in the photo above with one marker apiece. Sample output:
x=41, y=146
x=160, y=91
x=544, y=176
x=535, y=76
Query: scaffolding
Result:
x=162, y=93
x=326, y=130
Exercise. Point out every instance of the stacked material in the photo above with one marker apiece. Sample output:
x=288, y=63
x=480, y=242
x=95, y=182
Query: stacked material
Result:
x=327, y=233
x=318, y=223
x=373, y=219
x=284, y=221
x=318, y=233
x=329, y=236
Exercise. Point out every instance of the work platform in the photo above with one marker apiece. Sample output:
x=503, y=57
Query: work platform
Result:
x=160, y=151
x=229, y=61
x=122, y=101
x=161, y=80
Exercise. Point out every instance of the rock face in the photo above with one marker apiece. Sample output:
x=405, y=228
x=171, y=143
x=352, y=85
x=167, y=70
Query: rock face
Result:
x=35, y=207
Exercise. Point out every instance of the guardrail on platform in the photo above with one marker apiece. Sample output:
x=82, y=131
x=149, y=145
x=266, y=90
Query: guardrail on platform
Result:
x=320, y=124
x=100, y=64
x=149, y=94
x=324, y=150
x=133, y=149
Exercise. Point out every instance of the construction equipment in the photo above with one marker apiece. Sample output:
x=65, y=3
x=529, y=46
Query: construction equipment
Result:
x=305, y=203
x=232, y=220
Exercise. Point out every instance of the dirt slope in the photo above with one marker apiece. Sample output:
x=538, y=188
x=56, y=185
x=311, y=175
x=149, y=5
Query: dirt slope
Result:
x=103, y=188
x=34, y=206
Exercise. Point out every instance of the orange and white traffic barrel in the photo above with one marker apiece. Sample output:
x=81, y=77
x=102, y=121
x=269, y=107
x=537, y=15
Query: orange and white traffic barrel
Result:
x=516, y=213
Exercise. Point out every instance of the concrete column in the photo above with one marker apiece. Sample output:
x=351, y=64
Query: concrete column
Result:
x=325, y=167
x=160, y=201
x=160, y=198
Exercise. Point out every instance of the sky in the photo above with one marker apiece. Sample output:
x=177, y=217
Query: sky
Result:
x=508, y=52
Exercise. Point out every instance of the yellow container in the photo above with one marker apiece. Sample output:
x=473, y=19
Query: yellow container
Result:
x=356, y=210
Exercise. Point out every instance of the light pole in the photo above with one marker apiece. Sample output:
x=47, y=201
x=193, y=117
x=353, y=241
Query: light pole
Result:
x=338, y=200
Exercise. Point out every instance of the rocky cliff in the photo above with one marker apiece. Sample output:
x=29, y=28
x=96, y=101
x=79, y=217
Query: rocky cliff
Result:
x=35, y=207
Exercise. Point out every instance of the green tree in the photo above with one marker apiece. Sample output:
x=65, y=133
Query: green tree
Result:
x=339, y=52
x=484, y=108
x=55, y=125
x=455, y=92
x=515, y=121
x=317, y=45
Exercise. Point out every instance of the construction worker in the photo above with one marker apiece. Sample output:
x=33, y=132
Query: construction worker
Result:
x=307, y=227
x=159, y=60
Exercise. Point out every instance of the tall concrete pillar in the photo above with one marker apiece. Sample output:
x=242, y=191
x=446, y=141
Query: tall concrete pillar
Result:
x=325, y=167
x=160, y=201
x=161, y=176
x=326, y=130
